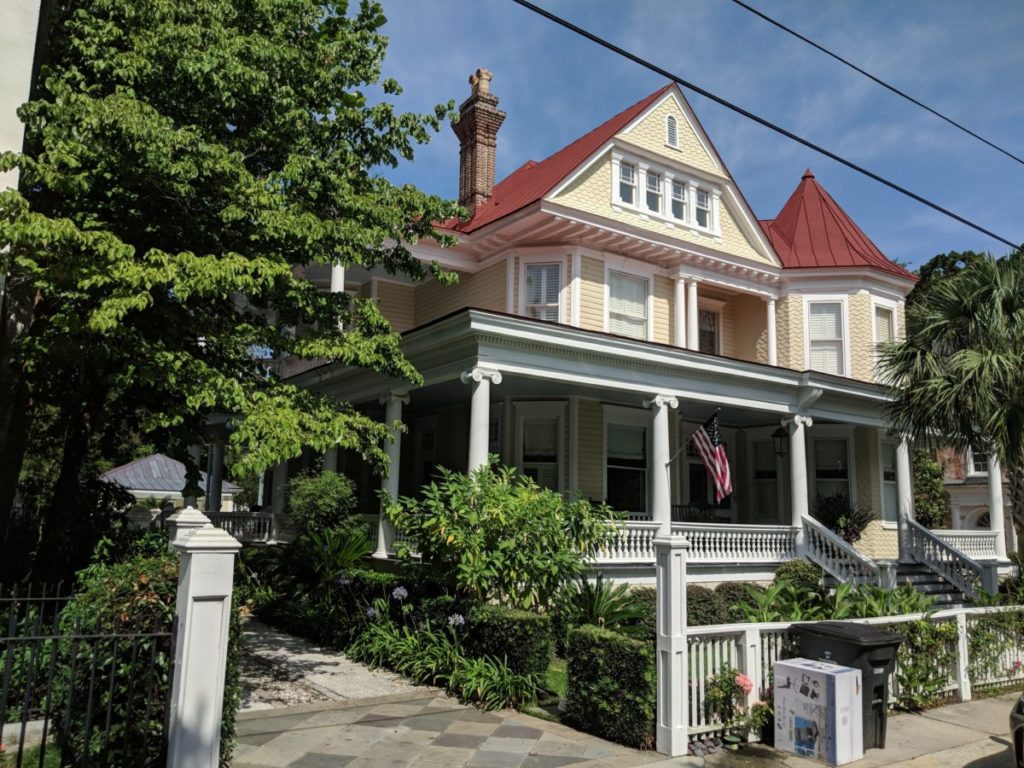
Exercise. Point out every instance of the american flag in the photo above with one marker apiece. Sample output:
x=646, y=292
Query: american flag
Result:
x=708, y=443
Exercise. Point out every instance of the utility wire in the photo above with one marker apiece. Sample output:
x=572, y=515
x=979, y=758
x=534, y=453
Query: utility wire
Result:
x=878, y=80
x=762, y=121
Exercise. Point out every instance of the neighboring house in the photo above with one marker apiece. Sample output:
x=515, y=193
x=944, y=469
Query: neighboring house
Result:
x=967, y=480
x=160, y=479
x=613, y=297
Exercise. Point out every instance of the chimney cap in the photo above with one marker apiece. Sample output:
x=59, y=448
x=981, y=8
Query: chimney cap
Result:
x=480, y=81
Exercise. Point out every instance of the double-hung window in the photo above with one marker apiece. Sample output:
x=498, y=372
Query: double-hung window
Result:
x=978, y=464
x=766, y=482
x=627, y=305
x=540, y=452
x=707, y=331
x=825, y=333
x=626, y=467
x=627, y=183
x=890, y=495
x=678, y=200
x=543, y=284
x=831, y=468
x=653, y=192
x=703, y=209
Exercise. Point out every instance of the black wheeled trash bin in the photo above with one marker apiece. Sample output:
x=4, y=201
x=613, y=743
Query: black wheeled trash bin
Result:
x=870, y=649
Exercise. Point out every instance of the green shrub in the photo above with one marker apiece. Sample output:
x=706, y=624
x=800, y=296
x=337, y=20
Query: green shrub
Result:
x=647, y=598
x=704, y=607
x=733, y=594
x=611, y=687
x=321, y=500
x=927, y=651
x=521, y=639
x=837, y=514
x=801, y=573
x=499, y=537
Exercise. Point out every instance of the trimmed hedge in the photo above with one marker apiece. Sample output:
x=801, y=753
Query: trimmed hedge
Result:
x=704, y=607
x=522, y=639
x=733, y=593
x=611, y=687
x=802, y=574
x=647, y=597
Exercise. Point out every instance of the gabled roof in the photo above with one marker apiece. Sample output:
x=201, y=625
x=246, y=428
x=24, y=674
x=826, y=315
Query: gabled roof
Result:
x=157, y=473
x=532, y=181
x=812, y=231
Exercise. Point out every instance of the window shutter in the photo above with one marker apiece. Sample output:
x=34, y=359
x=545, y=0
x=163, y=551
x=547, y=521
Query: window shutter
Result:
x=543, y=282
x=826, y=321
x=883, y=325
x=627, y=305
x=671, y=132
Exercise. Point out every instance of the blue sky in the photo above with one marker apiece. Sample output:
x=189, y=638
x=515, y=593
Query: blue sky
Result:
x=964, y=59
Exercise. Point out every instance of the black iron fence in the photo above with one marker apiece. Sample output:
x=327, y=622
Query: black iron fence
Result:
x=74, y=693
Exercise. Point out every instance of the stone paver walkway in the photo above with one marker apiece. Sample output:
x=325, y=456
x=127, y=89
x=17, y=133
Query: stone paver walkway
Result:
x=431, y=731
x=331, y=673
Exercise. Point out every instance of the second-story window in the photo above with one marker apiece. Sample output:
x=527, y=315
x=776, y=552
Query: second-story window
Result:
x=703, y=209
x=825, y=333
x=627, y=183
x=543, y=282
x=978, y=464
x=707, y=337
x=627, y=305
x=678, y=200
x=653, y=192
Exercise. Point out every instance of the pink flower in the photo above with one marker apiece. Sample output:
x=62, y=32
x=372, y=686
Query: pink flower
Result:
x=744, y=683
x=1018, y=664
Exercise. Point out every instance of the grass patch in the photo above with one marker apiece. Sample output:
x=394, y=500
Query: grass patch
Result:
x=30, y=757
x=556, y=678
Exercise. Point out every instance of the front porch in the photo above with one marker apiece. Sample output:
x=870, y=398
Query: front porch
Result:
x=610, y=418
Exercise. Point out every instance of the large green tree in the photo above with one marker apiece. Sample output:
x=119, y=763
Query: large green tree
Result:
x=958, y=377
x=183, y=162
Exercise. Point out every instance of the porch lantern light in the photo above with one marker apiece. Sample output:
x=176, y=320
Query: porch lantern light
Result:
x=780, y=437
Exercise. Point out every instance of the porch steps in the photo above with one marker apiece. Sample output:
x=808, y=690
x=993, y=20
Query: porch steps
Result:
x=924, y=579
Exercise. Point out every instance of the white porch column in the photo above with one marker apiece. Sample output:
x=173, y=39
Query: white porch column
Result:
x=673, y=708
x=904, y=496
x=773, y=354
x=996, y=518
x=392, y=413
x=798, y=481
x=679, y=314
x=200, y=646
x=692, y=327
x=278, y=494
x=480, y=413
x=216, y=476
x=661, y=479
x=337, y=278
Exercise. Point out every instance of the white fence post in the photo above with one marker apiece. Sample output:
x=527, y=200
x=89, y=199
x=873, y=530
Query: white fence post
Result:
x=672, y=732
x=752, y=664
x=183, y=523
x=200, y=643
x=963, y=678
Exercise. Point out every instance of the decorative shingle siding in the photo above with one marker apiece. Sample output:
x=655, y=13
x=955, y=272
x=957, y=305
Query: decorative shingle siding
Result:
x=591, y=450
x=592, y=193
x=398, y=303
x=592, y=294
x=877, y=541
x=649, y=134
x=789, y=325
x=862, y=357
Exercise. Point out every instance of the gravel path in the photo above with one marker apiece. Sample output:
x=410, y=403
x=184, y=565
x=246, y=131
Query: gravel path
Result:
x=281, y=670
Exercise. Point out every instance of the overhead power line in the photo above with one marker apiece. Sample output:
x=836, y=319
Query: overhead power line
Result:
x=879, y=81
x=762, y=121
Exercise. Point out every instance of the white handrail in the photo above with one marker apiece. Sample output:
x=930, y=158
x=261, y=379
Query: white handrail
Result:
x=837, y=556
x=709, y=543
x=978, y=545
x=950, y=563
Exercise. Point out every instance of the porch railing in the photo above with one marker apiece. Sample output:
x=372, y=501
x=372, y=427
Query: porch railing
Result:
x=838, y=557
x=247, y=527
x=966, y=574
x=977, y=545
x=709, y=543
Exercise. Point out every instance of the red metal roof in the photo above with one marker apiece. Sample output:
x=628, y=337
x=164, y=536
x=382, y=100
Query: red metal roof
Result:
x=532, y=181
x=812, y=230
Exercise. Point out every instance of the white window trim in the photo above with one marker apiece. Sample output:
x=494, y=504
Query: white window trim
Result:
x=562, y=260
x=668, y=143
x=971, y=472
x=825, y=298
x=882, y=442
x=632, y=270
x=542, y=410
x=832, y=432
x=630, y=417
x=639, y=204
x=880, y=303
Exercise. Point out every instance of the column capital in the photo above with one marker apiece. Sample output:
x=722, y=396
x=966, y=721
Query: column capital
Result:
x=399, y=395
x=798, y=419
x=660, y=401
x=479, y=373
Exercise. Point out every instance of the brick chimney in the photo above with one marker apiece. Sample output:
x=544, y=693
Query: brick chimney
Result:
x=477, y=129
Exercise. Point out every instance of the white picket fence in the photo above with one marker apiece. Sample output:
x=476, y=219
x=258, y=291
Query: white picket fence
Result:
x=754, y=648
